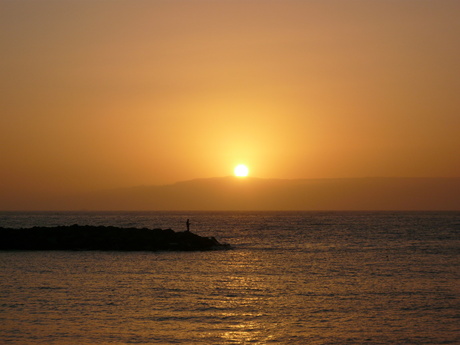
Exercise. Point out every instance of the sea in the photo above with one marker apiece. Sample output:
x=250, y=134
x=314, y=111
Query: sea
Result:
x=290, y=278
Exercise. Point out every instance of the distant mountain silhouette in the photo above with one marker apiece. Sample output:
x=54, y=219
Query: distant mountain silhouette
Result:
x=231, y=193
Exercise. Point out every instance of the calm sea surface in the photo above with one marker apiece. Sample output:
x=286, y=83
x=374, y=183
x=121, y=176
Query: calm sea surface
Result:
x=293, y=278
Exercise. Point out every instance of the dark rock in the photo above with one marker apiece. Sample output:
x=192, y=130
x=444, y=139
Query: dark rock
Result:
x=77, y=237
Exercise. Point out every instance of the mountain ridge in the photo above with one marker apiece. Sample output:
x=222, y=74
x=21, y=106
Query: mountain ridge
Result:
x=252, y=193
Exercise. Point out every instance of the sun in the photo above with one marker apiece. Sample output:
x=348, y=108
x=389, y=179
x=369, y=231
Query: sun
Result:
x=241, y=170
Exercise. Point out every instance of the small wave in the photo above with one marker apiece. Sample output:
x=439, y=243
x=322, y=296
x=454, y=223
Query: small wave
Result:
x=49, y=288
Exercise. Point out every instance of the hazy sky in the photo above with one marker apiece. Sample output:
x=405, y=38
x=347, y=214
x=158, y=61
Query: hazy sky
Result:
x=102, y=94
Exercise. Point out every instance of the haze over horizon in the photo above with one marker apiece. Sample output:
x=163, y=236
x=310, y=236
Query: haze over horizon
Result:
x=231, y=193
x=101, y=95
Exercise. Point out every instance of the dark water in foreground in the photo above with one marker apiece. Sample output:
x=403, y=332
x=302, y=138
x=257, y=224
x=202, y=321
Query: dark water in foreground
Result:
x=293, y=278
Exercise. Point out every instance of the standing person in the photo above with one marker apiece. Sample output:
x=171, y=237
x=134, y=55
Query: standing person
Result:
x=188, y=224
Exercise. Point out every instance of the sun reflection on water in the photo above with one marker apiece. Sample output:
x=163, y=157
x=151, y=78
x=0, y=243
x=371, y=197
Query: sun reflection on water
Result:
x=246, y=332
x=242, y=294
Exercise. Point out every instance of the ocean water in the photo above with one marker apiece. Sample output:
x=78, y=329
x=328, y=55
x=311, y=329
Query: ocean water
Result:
x=292, y=278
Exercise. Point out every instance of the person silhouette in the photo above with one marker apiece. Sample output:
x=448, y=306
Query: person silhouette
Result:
x=188, y=224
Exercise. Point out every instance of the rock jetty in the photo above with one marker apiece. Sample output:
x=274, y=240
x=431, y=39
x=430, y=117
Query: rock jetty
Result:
x=108, y=238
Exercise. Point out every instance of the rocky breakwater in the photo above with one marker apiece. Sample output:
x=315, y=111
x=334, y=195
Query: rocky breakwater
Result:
x=109, y=238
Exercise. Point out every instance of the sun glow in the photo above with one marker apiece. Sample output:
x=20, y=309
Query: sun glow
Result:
x=241, y=170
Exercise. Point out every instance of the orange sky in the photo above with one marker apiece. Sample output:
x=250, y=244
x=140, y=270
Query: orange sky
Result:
x=104, y=94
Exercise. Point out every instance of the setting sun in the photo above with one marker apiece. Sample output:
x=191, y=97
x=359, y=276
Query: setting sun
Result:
x=241, y=170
